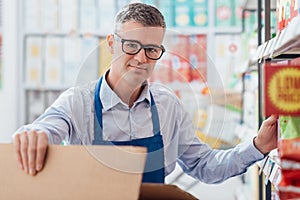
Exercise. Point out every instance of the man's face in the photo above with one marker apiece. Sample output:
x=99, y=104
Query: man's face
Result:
x=138, y=67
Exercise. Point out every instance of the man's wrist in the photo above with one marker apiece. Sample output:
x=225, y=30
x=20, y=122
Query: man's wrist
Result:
x=258, y=147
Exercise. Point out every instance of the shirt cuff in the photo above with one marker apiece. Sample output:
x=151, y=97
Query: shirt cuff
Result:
x=266, y=154
x=249, y=153
x=31, y=127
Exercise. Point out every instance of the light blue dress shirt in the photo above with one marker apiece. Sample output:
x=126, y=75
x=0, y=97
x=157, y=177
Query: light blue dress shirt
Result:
x=71, y=118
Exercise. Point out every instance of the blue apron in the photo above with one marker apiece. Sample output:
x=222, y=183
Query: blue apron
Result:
x=154, y=171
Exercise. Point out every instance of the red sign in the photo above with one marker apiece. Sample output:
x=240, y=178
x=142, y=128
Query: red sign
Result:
x=282, y=89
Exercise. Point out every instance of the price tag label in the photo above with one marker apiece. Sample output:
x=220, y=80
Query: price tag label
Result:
x=281, y=89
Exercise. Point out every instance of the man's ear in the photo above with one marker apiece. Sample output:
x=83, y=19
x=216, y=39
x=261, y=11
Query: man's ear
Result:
x=110, y=41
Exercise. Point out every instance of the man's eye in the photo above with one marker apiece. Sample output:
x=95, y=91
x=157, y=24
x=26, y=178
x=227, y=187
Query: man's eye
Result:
x=152, y=50
x=132, y=45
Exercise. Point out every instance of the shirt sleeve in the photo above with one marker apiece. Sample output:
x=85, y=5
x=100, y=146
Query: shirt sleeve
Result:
x=56, y=120
x=211, y=165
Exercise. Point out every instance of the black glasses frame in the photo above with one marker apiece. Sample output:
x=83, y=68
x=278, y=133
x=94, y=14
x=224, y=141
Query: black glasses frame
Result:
x=145, y=47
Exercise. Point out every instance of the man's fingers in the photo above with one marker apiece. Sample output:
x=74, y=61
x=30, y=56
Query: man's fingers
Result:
x=32, y=151
x=23, y=149
x=42, y=144
x=271, y=120
x=17, y=146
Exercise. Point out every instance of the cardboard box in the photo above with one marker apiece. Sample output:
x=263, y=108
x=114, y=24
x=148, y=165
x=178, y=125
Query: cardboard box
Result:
x=163, y=192
x=83, y=172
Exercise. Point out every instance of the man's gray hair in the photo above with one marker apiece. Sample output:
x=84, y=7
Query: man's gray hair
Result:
x=142, y=13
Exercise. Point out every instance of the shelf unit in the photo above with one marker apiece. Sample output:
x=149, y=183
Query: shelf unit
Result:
x=285, y=46
x=267, y=26
x=74, y=26
x=211, y=32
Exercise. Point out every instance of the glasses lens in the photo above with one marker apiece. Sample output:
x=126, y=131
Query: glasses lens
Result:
x=153, y=52
x=131, y=47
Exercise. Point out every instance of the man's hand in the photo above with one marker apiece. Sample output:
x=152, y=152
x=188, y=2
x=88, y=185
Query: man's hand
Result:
x=266, y=139
x=30, y=148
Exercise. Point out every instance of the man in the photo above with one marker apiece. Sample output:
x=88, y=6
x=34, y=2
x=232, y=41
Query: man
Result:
x=121, y=108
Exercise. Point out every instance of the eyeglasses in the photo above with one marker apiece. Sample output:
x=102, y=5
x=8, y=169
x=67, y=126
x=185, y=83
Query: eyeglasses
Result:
x=132, y=47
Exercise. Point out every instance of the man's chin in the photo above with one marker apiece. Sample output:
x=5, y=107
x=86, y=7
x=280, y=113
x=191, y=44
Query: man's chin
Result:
x=136, y=78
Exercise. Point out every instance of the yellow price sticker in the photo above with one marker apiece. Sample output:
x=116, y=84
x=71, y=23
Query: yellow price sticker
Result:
x=284, y=89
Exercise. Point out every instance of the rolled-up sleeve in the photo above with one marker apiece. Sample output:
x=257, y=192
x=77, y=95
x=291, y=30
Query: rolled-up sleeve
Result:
x=66, y=118
x=56, y=120
x=211, y=165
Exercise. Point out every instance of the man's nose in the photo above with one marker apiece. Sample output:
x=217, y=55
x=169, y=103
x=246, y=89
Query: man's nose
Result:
x=141, y=56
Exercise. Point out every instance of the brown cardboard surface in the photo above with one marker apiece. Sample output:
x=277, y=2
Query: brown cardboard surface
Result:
x=163, y=192
x=75, y=173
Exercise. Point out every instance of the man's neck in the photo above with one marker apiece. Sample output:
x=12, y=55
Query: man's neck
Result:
x=126, y=92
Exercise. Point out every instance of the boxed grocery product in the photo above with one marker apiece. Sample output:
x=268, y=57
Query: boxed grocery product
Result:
x=72, y=56
x=289, y=149
x=34, y=61
x=183, y=13
x=179, y=56
x=68, y=15
x=200, y=13
x=289, y=190
x=224, y=13
x=286, y=10
x=198, y=57
x=281, y=89
x=167, y=8
x=289, y=186
x=289, y=127
x=53, y=61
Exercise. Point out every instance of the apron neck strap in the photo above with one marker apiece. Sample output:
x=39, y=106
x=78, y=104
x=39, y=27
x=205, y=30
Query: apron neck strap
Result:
x=99, y=106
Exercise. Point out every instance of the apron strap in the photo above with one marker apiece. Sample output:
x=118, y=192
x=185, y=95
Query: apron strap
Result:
x=98, y=111
x=155, y=117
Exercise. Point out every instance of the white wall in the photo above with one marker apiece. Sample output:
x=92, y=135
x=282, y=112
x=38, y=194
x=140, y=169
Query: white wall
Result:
x=9, y=92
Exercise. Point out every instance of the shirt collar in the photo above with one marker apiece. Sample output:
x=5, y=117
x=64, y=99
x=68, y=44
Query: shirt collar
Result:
x=109, y=98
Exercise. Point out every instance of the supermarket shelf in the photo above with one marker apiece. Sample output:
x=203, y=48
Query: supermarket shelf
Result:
x=285, y=46
x=64, y=34
x=253, y=5
x=45, y=88
x=170, y=30
x=291, y=49
x=203, y=30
